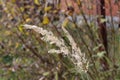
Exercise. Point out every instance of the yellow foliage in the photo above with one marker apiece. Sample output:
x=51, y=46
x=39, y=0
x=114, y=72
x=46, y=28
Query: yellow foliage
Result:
x=13, y=1
x=67, y=23
x=55, y=11
x=37, y=2
x=16, y=45
x=47, y=8
x=45, y=20
x=20, y=28
x=22, y=9
x=28, y=20
x=64, y=24
x=79, y=2
x=8, y=33
x=58, y=6
x=27, y=33
x=73, y=25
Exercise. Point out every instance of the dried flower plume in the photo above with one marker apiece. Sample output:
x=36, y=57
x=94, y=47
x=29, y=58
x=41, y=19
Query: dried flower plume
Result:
x=76, y=56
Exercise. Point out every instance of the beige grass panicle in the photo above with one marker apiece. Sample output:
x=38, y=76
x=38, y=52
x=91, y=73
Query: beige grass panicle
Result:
x=76, y=56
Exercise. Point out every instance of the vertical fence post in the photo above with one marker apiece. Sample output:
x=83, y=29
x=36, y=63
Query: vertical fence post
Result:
x=102, y=26
x=100, y=8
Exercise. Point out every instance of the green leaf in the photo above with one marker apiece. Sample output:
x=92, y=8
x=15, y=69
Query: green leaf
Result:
x=46, y=73
x=102, y=20
x=97, y=47
x=7, y=59
x=2, y=78
x=101, y=54
x=56, y=75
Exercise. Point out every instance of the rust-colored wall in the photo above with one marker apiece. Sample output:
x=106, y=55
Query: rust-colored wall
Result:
x=87, y=3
